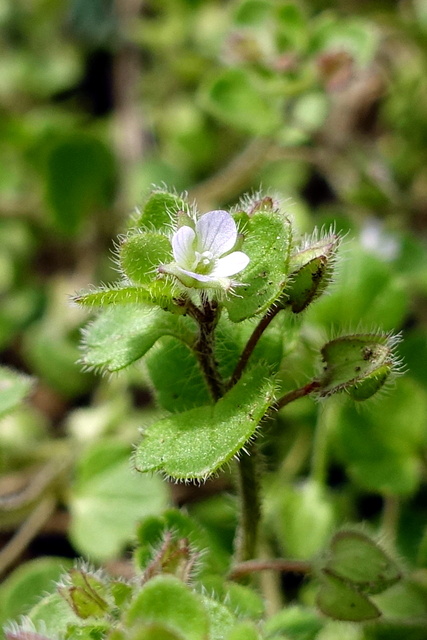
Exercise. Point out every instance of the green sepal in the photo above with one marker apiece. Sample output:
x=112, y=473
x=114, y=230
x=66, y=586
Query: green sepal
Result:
x=221, y=620
x=311, y=271
x=354, y=557
x=85, y=603
x=267, y=243
x=90, y=630
x=167, y=601
x=121, y=335
x=196, y=443
x=307, y=284
x=371, y=384
x=161, y=293
x=350, y=360
x=89, y=582
x=341, y=601
x=159, y=210
x=140, y=255
x=152, y=532
x=121, y=592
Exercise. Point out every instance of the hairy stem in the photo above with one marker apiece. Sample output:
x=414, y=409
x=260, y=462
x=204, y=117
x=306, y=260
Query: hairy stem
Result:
x=250, y=507
x=276, y=564
x=207, y=318
x=295, y=394
x=252, y=343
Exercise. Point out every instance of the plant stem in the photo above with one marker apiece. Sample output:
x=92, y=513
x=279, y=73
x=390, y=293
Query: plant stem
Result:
x=27, y=532
x=235, y=176
x=319, y=459
x=390, y=519
x=207, y=318
x=276, y=564
x=250, y=506
x=296, y=394
x=251, y=344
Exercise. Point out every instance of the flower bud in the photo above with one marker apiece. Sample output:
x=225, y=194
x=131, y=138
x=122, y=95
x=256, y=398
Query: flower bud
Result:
x=311, y=269
x=359, y=364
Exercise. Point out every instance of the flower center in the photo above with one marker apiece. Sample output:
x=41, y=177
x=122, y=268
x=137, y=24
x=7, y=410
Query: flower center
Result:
x=204, y=262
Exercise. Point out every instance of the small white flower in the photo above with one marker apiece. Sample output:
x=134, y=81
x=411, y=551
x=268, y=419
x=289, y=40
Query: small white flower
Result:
x=204, y=256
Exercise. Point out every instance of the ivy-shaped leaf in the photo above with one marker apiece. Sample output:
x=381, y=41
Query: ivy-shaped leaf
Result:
x=166, y=600
x=341, y=601
x=141, y=253
x=267, y=239
x=121, y=335
x=196, y=443
x=176, y=376
x=161, y=293
x=159, y=209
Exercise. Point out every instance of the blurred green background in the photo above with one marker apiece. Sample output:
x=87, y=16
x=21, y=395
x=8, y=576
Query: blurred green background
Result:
x=322, y=102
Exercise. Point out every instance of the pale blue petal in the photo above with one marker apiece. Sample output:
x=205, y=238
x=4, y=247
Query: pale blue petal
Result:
x=230, y=265
x=216, y=232
x=183, y=246
x=197, y=276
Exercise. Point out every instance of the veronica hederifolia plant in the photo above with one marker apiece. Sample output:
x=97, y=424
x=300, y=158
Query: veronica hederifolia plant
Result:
x=202, y=299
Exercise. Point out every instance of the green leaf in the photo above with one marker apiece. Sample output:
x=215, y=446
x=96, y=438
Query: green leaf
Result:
x=166, y=600
x=354, y=557
x=176, y=376
x=196, y=443
x=151, y=532
x=121, y=335
x=80, y=176
x=14, y=387
x=160, y=210
x=142, y=253
x=155, y=631
x=382, y=452
x=104, y=487
x=303, y=517
x=54, y=615
x=292, y=27
x=340, y=601
x=267, y=240
x=242, y=100
x=220, y=618
x=160, y=293
x=22, y=588
x=243, y=631
x=294, y=621
x=52, y=353
x=252, y=12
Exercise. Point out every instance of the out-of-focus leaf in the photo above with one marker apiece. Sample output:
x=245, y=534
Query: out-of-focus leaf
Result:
x=23, y=588
x=80, y=178
x=14, y=387
x=242, y=100
x=106, y=487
